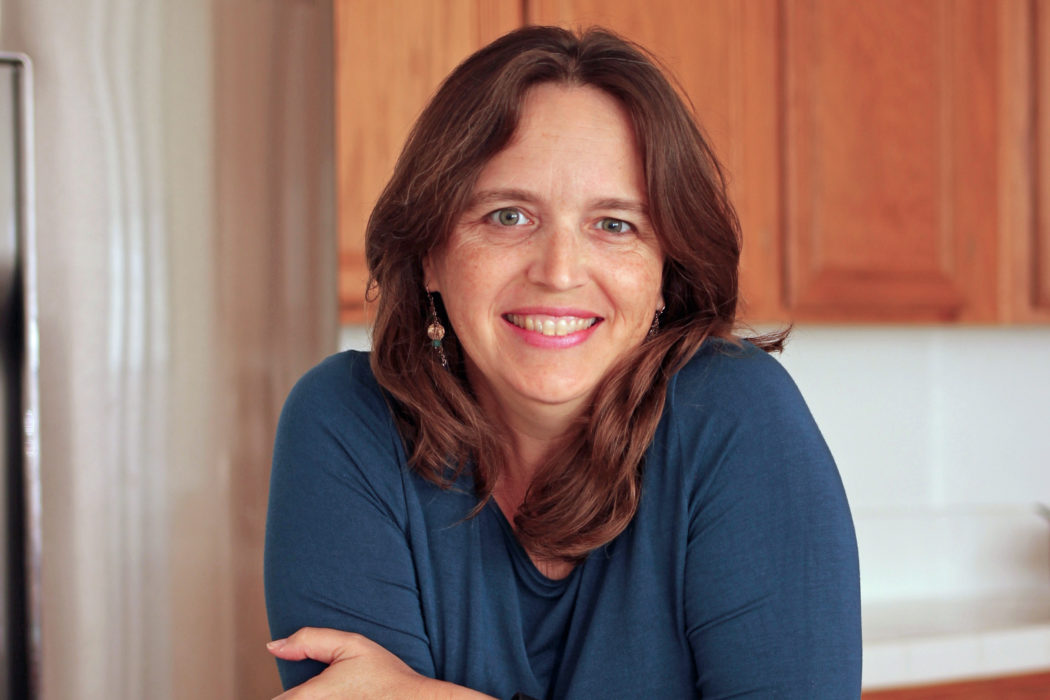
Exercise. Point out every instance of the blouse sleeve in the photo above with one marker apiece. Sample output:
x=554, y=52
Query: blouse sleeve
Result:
x=337, y=553
x=772, y=585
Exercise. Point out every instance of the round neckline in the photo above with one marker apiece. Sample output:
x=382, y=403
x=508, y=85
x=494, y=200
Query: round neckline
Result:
x=523, y=562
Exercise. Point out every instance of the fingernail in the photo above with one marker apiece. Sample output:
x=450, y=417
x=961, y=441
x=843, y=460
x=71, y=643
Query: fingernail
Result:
x=276, y=644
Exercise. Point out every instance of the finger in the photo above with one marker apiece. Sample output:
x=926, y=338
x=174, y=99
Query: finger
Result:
x=317, y=643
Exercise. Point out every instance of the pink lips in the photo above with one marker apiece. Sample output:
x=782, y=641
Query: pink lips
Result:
x=539, y=340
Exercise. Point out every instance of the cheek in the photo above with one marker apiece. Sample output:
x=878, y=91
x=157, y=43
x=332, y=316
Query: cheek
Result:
x=656, y=278
x=467, y=282
x=645, y=282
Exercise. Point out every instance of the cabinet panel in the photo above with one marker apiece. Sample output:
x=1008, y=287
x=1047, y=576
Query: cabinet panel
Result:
x=724, y=57
x=1041, y=82
x=1025, y=161
x=390, y=57
x=890, y=159
x=1004, y=688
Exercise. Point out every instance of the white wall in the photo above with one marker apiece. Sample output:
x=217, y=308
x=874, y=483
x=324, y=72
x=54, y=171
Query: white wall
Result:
x=942, y=436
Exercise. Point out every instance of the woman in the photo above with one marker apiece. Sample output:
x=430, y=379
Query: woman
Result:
x=558, y=473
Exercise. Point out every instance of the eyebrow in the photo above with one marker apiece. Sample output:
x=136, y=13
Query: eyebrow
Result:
x=489, y=196
x=503, y=195
x=622, y=205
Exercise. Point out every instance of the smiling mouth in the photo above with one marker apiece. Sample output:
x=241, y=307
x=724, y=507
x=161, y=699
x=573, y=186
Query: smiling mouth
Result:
x=551, y=325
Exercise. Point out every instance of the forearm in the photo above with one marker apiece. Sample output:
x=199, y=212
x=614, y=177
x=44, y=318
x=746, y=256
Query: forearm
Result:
x=432, y=689
x=359, y=668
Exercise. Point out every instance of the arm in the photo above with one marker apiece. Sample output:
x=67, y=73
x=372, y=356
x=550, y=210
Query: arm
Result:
x=337, y=554
x=359, y=668
x=772, y=584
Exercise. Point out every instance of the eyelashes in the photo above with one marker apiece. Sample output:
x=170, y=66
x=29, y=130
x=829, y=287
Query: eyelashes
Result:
x=618, y=226
x=509, y=217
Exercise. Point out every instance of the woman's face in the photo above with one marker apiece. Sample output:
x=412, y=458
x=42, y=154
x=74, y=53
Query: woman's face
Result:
x=553, y=271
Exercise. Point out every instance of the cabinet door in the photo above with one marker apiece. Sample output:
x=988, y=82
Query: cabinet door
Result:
x=1024, y=687
x=890, y=146
x=1040, y=269
x=889, y=159
x=390, y=57
x=861, y=139
x=1025, y=160
x=724, y=56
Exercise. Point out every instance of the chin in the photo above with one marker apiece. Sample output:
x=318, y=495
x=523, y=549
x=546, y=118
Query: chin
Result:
x=555, y=396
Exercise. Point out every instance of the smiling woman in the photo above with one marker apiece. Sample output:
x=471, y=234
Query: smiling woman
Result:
x=524, y=266
x=559, y=472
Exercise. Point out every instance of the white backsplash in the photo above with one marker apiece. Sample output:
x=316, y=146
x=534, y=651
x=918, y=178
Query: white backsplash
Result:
x=942, y=436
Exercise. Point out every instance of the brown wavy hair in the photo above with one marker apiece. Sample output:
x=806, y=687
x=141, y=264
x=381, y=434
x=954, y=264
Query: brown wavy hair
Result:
x=589, y=487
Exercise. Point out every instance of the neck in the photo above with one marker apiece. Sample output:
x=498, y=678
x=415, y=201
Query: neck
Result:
x=531, y=430
x=531, y=435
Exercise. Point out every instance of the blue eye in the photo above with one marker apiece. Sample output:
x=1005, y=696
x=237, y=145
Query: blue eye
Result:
x=610, y=225
x=508, y=217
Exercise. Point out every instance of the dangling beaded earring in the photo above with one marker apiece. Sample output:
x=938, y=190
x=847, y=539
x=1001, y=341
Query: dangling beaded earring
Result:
x=655, y=327
x=435, y=331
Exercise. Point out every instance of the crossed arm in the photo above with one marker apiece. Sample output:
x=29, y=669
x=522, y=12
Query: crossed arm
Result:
x=358, y=668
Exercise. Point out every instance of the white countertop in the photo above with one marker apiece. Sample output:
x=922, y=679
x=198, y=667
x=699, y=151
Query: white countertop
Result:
x=918, y=642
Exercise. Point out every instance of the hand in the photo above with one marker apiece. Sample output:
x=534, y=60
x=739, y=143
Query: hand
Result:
x=357, y=667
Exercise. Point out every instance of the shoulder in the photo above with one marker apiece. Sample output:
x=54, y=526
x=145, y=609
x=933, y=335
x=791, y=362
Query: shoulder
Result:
x=339, y=394
x=735, y=416
x=343, y=380
x=771, y=556
x=336, y=423
x=733, y=379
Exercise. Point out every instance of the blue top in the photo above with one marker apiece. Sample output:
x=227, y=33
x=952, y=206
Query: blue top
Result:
x=737, y=577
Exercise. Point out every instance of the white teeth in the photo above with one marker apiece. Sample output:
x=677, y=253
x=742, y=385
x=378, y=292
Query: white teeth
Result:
x=551, y=325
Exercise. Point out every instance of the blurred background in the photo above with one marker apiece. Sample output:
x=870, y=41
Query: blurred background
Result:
x=203, y=172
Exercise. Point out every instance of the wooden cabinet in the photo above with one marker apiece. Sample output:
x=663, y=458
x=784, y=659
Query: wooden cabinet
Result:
x=889, y=159
x=725, y=58
x=1026, y=687
x=1024, y=183
x=889, y=148
x=1031, y=259
x=390, y=57
x=1041, y=230
x=1040, y=239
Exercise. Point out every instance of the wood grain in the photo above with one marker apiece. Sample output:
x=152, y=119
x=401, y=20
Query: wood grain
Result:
x=1024, y=151
x=1040, y=12
x=890, y=148
x=724, y=57
x=390, y=57
x=1025, y=687
x=889, y=160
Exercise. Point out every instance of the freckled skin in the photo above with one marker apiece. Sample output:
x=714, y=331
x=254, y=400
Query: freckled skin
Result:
x=544, y=231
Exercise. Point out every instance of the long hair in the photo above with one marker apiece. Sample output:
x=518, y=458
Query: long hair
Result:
x=589, y=487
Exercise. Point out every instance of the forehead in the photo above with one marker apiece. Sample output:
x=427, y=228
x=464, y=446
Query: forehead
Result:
x=567, y=130
x=557, y=110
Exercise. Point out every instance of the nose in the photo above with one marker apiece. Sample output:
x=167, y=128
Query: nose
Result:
x=560, y=260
